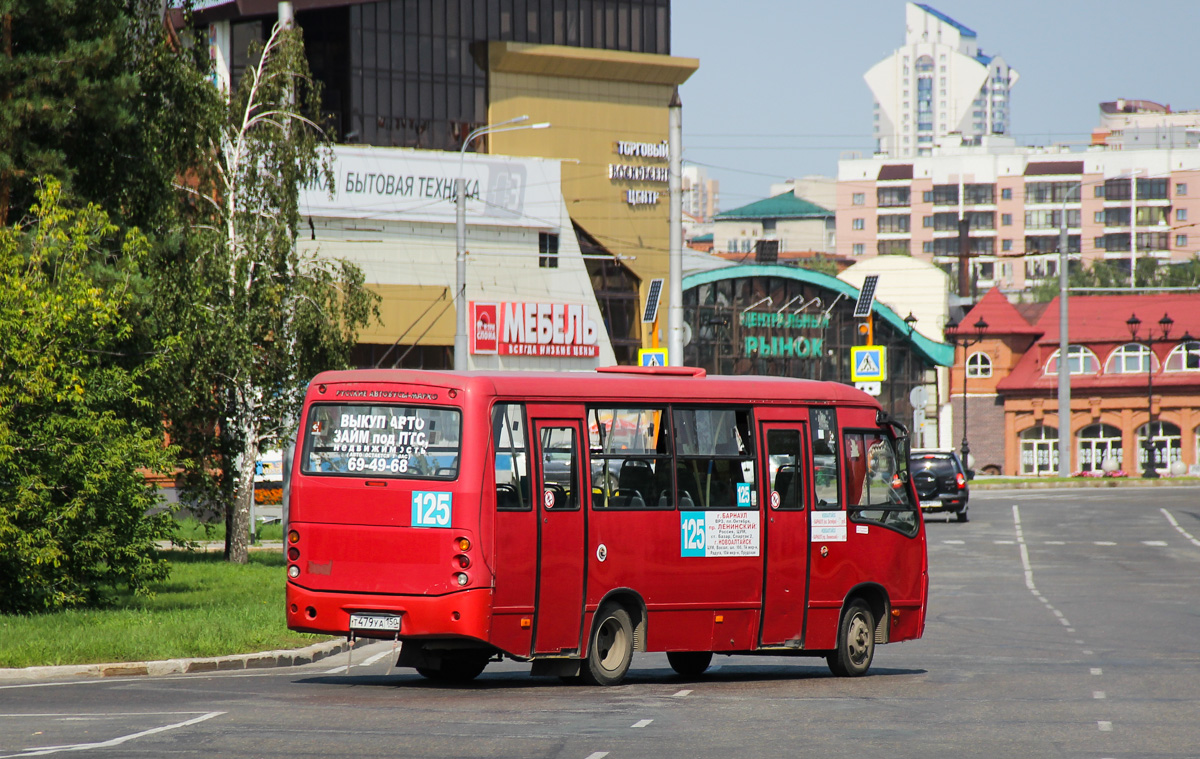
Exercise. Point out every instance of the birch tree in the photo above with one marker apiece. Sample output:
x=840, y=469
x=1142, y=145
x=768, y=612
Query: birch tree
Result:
x=269, y=317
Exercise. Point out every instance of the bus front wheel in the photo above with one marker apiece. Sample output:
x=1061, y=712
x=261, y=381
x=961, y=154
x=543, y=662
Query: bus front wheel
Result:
x=689, y=663
x=855, y=642
x=611, y=648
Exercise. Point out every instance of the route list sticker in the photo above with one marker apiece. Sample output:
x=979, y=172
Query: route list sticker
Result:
x=718, y=533
x=828, y=527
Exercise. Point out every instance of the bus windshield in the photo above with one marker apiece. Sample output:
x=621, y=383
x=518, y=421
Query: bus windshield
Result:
x=384, y=440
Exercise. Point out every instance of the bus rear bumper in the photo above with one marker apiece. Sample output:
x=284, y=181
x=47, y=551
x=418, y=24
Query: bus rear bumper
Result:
x=462, y=615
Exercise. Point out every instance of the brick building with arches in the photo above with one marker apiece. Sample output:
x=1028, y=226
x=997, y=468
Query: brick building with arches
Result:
x=1129, y=380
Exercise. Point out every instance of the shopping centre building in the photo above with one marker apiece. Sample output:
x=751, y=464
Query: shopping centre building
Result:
x=566, y=223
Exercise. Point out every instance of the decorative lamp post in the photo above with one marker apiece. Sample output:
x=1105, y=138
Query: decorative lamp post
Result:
x=966, y=342
x=460, y=234
x=911, y=321
x=1164, y=325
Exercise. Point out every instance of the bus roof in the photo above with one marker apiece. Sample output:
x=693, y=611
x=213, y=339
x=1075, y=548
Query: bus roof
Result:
x=634, y=384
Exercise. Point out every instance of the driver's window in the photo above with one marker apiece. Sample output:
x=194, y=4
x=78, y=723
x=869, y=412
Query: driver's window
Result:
x=560, y=473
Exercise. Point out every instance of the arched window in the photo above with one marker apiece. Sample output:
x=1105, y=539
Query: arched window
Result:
x=1099, y=443
x=979, y=364
x=924, y=63
x=1039, y=450
x=1130, y=358
x=1164, y=445
x=1080, y=360
x=1184, y=357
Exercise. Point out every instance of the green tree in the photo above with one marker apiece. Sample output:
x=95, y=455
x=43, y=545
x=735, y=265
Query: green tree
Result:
x=1114, y=275
x=76, y=512
x=97, y=94
x=259, y=317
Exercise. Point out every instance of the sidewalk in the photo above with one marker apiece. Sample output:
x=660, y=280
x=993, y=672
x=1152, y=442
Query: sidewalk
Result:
x=261, y=660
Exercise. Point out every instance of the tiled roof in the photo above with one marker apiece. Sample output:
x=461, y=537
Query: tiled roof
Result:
x=783, y=206
x=1098, y=322
x=1001, y=316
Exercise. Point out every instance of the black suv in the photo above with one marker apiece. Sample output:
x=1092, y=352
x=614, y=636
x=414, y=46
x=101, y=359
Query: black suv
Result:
x=941, y=481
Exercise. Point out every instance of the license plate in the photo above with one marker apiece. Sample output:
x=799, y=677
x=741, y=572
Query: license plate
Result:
x=931, y=504
x=374, y=622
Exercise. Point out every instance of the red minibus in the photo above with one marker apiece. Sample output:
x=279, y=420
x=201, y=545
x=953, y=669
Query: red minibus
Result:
x=572, y=519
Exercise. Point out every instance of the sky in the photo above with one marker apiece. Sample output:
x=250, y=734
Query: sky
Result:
x=780, y=90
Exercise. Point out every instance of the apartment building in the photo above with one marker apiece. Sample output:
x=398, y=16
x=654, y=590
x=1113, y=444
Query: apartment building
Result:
x=1011, y=205
x=938, y=83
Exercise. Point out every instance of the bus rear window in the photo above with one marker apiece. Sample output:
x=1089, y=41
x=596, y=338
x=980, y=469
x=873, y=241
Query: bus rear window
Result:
x=382, y=441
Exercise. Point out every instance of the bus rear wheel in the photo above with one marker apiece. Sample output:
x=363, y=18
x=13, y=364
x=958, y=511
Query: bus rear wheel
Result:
x=856, y=642
x=611, y=647
x=689, y=663
x=460, y=668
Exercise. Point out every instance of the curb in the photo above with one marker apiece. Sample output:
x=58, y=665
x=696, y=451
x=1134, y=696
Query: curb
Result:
x=261, y=660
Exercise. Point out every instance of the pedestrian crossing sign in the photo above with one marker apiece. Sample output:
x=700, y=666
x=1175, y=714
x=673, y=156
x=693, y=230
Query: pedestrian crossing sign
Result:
x=652, y=357
x=868, y=363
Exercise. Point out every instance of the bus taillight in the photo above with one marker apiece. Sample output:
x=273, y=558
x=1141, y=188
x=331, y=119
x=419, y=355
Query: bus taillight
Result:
x=463, y=544
x=463, y=560
x=461, y=578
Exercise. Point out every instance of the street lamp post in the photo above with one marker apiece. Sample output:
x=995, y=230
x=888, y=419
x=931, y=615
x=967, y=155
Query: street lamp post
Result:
x=1164, y=324
x=460, y=234
x=966, y=342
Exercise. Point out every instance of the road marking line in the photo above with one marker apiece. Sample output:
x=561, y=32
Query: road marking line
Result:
x=1097, y=671
x=1028, y=566
x=44, y=750
x=1054, y=542
x=1103, y=543
x=1003, y=542
x=681, y=694
x=642, y=722
x=598, y=755
x=1099, y=694
x=955, y=542
x=1176, y=525
x=1154, y=542
x=1105, y=726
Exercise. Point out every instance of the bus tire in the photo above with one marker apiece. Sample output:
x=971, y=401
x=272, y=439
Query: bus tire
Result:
x=457, y=669
x=611, y=647
x=689, y=663
x=855, y=643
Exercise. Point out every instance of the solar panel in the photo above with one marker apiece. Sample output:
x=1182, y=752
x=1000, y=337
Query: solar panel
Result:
x=866, y=296
x=652, y=297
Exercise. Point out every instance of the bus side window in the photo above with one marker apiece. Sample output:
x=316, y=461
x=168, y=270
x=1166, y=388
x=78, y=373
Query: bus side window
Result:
x=714, y=449
x=823, y=424
x=511, y=457
x=630, y=458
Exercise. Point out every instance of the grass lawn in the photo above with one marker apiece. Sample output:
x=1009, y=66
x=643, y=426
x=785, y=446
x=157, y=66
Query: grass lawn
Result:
x=206, y=608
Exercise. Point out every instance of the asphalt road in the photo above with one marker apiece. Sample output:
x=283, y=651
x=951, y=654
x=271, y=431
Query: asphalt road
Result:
x=1063, y=623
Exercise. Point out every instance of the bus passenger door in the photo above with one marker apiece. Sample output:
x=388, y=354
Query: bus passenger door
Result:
x=785, y=589
x=561, y=481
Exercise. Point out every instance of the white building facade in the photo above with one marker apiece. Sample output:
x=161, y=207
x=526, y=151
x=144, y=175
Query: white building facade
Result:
x=392, y=212
x=938, y=83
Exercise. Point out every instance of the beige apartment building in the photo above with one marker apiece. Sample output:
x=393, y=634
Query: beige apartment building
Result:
x=1012, y=204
